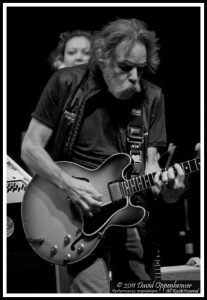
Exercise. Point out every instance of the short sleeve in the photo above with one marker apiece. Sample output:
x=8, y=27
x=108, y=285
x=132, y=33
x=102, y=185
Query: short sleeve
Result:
x=157, y=128
x=47, y=106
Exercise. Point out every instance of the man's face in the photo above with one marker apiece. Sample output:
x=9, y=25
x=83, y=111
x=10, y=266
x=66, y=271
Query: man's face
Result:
x=122, y=74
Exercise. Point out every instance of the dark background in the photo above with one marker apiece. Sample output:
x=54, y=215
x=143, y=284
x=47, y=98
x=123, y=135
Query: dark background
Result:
x=33, y=32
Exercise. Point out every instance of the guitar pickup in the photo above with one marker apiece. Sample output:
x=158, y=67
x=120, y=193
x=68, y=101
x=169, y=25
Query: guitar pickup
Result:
x=115, y=191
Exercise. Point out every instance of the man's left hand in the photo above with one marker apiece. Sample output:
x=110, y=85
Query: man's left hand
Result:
x=171, y=186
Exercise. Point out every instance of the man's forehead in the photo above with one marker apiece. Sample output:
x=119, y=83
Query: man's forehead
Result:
x=124, y=52
x=122, y=49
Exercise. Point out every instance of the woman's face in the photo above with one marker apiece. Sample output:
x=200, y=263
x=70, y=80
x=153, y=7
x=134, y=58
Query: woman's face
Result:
x=77, y=51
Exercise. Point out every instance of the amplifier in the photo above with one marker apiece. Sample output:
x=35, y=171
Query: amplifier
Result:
x=182, y=272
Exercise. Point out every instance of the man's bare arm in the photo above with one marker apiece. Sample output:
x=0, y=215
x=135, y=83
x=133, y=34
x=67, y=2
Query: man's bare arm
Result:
x=34, y=155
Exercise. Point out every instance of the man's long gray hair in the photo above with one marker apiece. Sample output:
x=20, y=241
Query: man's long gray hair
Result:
x=128, y=31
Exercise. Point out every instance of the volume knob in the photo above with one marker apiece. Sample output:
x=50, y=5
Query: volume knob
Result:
x=53, y=250
x=66, y=258
x=67, y=240
x=80, y=248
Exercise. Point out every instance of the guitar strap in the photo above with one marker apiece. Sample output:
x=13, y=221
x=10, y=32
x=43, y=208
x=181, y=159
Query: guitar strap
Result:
x=135, y=138
x=68, y=117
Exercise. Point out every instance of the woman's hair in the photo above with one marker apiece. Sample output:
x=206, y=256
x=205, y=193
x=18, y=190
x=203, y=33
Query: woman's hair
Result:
x=58, y=53
x=129, y=31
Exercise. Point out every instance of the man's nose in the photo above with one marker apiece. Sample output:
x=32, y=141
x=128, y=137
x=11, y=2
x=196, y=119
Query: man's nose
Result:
x=134, y=76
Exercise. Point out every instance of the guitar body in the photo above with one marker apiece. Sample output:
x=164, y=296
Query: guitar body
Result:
x=55, y=228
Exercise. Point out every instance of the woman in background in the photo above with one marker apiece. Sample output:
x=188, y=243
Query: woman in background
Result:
x=74, y=48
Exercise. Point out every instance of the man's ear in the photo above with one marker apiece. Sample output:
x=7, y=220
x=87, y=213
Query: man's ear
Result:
x=104, y=62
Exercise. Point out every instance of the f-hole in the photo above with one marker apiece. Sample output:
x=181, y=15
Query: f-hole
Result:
x=75, y=242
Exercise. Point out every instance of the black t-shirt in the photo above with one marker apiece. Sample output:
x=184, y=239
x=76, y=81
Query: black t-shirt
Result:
x=105, y=121
x=97, y=137
x=103, y=129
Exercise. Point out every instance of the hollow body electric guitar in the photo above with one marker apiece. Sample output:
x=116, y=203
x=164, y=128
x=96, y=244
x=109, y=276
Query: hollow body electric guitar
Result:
x=55, y=228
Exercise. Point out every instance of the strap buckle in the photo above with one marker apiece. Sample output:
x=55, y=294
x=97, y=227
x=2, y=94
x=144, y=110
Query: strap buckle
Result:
x=135, y=139
x=134, y=133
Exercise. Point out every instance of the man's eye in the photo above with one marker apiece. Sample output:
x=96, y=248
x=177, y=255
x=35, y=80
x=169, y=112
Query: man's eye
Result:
x=125, y=68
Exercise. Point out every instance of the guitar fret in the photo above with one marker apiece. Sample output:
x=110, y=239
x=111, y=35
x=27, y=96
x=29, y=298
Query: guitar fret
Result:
x=198, y=163
x=186, y=167
x=147, y=181
x=123, y=189
x=127, y=187
x=143, y=182
x=193, y=165
x=139, y=183
x=130, y=187
x=150, y=176
x=133, y=185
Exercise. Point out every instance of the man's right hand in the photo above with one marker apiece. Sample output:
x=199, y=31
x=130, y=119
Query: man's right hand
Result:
x=83, y=195
x=80, y=192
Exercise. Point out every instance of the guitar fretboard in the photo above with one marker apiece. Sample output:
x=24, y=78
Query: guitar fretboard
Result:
x=141, y=183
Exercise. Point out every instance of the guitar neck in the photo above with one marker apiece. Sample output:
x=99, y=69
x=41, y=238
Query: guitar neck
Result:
x=141, y=183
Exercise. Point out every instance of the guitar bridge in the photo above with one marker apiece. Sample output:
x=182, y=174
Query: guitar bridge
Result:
x=115, y=191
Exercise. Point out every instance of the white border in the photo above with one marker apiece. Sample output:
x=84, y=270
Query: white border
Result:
x=4, y=149
x=104, y=4
x=5, y=5
x=202, y=63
